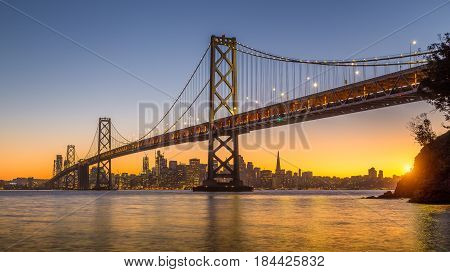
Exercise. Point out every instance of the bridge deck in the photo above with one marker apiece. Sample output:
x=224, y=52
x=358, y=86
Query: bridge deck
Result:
x=384, y=91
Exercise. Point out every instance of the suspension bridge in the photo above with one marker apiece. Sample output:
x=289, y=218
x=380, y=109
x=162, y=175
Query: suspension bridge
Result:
x=246, y=89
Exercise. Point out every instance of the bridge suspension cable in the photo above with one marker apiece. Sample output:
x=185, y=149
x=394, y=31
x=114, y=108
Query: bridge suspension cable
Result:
x=187, y=109
x=187, y=93
x=266, y=78
x=184, y=104
x=353, y=62
x=91, y=149
x=119, y=134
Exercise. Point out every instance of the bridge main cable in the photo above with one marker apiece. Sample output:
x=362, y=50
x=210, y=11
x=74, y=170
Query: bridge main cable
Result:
x=355, y=62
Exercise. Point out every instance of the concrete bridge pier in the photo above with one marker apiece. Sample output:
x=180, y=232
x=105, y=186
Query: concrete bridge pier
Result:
x=83, y=176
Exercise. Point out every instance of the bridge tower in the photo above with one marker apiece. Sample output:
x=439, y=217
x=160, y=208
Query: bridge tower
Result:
x=57, y=168
x=71, y=178
x=103, y=181
x=223, y=146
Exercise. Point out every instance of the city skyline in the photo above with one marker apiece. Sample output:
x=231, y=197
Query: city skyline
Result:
x=170, y=174
x=146, y=164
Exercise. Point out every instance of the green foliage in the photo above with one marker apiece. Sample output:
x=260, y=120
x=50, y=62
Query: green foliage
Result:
x=436, y=86
x=421, y=129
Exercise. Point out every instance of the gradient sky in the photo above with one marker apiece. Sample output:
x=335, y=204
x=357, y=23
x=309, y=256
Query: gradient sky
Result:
x=52, y=91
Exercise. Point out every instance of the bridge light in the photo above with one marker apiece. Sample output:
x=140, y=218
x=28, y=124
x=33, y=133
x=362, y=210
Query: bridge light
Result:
x=282, y=94
x=256, y=101
x=273, y=89
x=414, y=42
x=308, y=78
x=247, y=97
x=356, y=72
x=315, y=85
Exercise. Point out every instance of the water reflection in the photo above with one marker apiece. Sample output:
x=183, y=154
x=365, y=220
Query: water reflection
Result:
x=103, y=229
x=432, y=227
x=224, y=232
x=184, y=221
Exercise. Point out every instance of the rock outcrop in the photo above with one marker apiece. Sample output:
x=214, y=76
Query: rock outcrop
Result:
x=429, y=180
x=387, y=195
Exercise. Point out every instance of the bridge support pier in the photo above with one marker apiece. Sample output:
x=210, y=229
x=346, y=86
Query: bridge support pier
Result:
x=83, y=177
x=223, y=100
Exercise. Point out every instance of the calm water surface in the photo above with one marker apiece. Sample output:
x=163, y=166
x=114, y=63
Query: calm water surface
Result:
x=186, y=221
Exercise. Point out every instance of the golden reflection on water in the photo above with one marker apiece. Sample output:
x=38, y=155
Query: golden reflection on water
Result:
x=186, y=221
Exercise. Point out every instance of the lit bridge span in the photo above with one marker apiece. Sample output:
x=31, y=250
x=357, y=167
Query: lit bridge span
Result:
x=245, y=89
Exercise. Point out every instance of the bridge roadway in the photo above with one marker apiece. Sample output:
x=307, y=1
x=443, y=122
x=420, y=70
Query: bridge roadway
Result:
x=379, y=92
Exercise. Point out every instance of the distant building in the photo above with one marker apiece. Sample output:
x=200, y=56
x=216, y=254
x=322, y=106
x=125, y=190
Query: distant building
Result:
x=23, y=184
x=203, y=171
x=242, y=169
x=160, y=164
x=173, y=165
x=266, y=179
x=278, y=167
x=279, y=176
x=181, y=176
x=194, y=162
x=257, y=181
x=145, y=165
x=193, y=172
x=307, y=175
x=250, y=174
x=372, y=173
x=380, y=174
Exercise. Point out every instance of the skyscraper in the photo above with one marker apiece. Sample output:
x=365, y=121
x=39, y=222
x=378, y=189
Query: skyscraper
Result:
x=145, y=168
x=372, y=173
x=193, y=172
x=380, y=174
x=160, y=164
x=173, y=165
x=278, y=177
x=278, y=168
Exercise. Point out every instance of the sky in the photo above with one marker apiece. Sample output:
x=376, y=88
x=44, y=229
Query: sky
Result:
x=53, y=89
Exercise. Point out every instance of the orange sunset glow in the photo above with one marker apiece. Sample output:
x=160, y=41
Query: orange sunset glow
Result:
x=339, y=146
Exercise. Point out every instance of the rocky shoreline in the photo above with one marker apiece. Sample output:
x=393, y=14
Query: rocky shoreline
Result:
x=386, y=195
x=429, y=180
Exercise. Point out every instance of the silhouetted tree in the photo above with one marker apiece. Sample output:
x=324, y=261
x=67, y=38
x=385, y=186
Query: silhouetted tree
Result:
x=420, y=127
x=436, y=86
